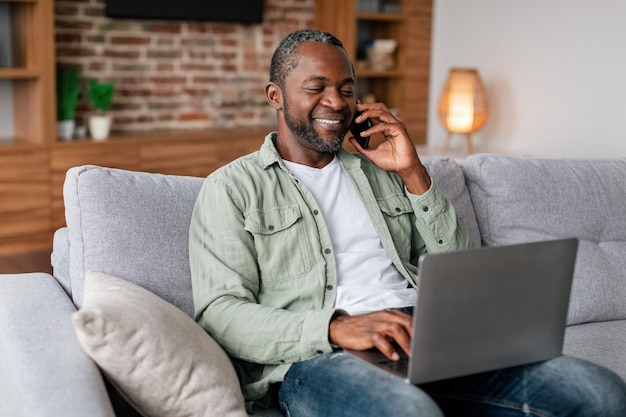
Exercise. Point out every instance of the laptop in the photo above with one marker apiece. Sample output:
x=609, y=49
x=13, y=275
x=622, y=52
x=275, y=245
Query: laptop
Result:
x=485, y=309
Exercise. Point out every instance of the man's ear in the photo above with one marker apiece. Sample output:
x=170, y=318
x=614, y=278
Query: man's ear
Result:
x=274, y=95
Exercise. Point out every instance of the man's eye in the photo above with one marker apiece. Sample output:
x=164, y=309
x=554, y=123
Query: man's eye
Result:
x=348, y=93
x=315, y=89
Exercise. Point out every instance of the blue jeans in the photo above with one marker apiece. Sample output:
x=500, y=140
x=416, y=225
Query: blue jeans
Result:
x=338, y=384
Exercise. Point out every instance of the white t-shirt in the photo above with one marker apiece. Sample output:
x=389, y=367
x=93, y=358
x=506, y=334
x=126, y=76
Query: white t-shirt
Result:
x=367, y=279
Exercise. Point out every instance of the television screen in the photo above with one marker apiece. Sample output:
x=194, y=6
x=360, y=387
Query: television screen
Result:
x=235, y=11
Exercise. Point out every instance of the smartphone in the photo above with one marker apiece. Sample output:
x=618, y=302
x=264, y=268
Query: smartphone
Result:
x=356, y=130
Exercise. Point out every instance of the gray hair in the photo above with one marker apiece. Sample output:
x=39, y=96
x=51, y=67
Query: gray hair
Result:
x=285, y=58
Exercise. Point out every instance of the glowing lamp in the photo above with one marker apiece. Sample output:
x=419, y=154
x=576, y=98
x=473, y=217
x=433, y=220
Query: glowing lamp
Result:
x=463, y=105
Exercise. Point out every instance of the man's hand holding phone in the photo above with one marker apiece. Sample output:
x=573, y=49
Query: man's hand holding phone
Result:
x=397, y=152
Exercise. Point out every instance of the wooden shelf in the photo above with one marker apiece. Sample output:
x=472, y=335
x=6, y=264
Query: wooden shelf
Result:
x=19, y=73
x=172, y=136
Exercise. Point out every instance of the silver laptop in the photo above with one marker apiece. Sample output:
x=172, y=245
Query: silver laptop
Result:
x=485, y=309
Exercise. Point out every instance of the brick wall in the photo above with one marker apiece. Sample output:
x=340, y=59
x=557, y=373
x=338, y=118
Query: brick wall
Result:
x=176, y=75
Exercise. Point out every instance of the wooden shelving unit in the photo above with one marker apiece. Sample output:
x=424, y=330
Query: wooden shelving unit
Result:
x=403, y=88
x=24, y=158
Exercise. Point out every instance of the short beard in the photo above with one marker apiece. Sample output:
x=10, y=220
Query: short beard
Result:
x=306, y=132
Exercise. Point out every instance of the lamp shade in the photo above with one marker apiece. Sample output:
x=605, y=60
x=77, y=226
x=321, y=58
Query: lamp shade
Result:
x=463, y=104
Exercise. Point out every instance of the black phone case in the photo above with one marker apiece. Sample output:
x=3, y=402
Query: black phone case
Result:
x=356, y=130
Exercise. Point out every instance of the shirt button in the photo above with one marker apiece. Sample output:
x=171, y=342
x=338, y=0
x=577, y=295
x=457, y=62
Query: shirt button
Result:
x=271, y=227
x=398, y=210
x=316, y=212
x=425, y=208
x=327, y=251
x=440, y=241
x=329, y=287
x=319, y=352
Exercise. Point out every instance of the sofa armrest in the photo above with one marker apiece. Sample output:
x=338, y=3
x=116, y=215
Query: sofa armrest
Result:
x=43, y=370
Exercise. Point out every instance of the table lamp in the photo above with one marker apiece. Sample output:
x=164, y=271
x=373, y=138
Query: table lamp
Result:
x=463, y=105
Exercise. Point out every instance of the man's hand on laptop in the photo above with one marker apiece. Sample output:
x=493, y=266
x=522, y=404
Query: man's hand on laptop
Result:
x=383, y=330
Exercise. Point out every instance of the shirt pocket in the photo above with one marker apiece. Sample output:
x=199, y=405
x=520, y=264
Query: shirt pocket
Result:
x=398, y=214
x=281, y=242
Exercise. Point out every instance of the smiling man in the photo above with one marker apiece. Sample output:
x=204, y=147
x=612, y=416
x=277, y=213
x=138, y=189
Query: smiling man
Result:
x=302, y=249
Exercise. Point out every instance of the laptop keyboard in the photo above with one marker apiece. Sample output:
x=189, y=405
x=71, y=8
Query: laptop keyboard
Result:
x=401, y=365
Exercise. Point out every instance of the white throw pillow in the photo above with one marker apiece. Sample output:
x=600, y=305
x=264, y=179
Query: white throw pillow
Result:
x=162, y=361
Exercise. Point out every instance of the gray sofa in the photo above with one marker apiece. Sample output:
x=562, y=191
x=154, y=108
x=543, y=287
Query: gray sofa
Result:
x=133, y=227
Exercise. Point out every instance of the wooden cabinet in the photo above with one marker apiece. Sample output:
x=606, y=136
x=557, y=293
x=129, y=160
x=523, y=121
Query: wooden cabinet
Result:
x=403, y=86
x=24, y=200
x=28, y=123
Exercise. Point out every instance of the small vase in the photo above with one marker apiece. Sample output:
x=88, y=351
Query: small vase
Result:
x=65, y=129
x=100, y=126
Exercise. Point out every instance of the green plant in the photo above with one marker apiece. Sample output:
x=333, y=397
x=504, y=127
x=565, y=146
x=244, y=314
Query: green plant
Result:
x=101, y=94
x=67, y=92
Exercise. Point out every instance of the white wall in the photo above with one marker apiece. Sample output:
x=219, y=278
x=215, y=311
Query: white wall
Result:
x=555, y=71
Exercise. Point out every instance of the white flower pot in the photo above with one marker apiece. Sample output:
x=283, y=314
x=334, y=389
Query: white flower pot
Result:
x=100, y=126
x=65, y=129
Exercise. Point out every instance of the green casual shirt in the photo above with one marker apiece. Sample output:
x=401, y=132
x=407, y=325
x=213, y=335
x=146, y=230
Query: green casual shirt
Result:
x=262, y=264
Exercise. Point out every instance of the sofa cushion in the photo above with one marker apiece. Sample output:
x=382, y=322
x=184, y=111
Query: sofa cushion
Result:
x=43, y=370
x=133, y=225
x=157, y=356
x=528, y=199
x=449, y=178
x=603, y=343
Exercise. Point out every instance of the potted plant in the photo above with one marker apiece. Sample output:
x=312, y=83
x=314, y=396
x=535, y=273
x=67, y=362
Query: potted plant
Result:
x=100, y=95
x=67, y=96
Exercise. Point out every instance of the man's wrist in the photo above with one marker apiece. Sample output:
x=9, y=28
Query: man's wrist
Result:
x=332, y=323
x=416, y=179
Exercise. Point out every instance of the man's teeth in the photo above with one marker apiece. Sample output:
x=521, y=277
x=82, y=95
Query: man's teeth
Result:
x=328, y=121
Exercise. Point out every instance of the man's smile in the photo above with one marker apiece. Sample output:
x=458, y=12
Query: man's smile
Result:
x=330, y=123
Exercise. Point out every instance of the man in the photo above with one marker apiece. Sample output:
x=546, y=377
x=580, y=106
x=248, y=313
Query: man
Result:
x=302, y=249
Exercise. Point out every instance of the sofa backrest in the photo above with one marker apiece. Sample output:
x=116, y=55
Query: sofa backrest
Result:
x=135, y=225
x=528, y=199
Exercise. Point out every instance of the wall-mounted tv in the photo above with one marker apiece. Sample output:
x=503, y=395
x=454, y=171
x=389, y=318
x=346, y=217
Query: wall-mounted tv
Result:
x=234, y=11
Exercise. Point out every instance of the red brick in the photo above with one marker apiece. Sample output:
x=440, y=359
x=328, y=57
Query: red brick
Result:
x=74, y=52
x=72, y=24
x=192, y=116
x=118, y=53
x=65, y=38
x=65, y=10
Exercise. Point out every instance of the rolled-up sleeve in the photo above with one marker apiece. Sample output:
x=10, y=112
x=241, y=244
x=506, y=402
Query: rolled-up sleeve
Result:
x=437, y=222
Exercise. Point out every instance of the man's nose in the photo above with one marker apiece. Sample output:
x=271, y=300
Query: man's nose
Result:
x=333, y=99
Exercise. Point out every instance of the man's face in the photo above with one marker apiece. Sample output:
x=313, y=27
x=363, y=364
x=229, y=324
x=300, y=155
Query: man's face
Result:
x=319, y=99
